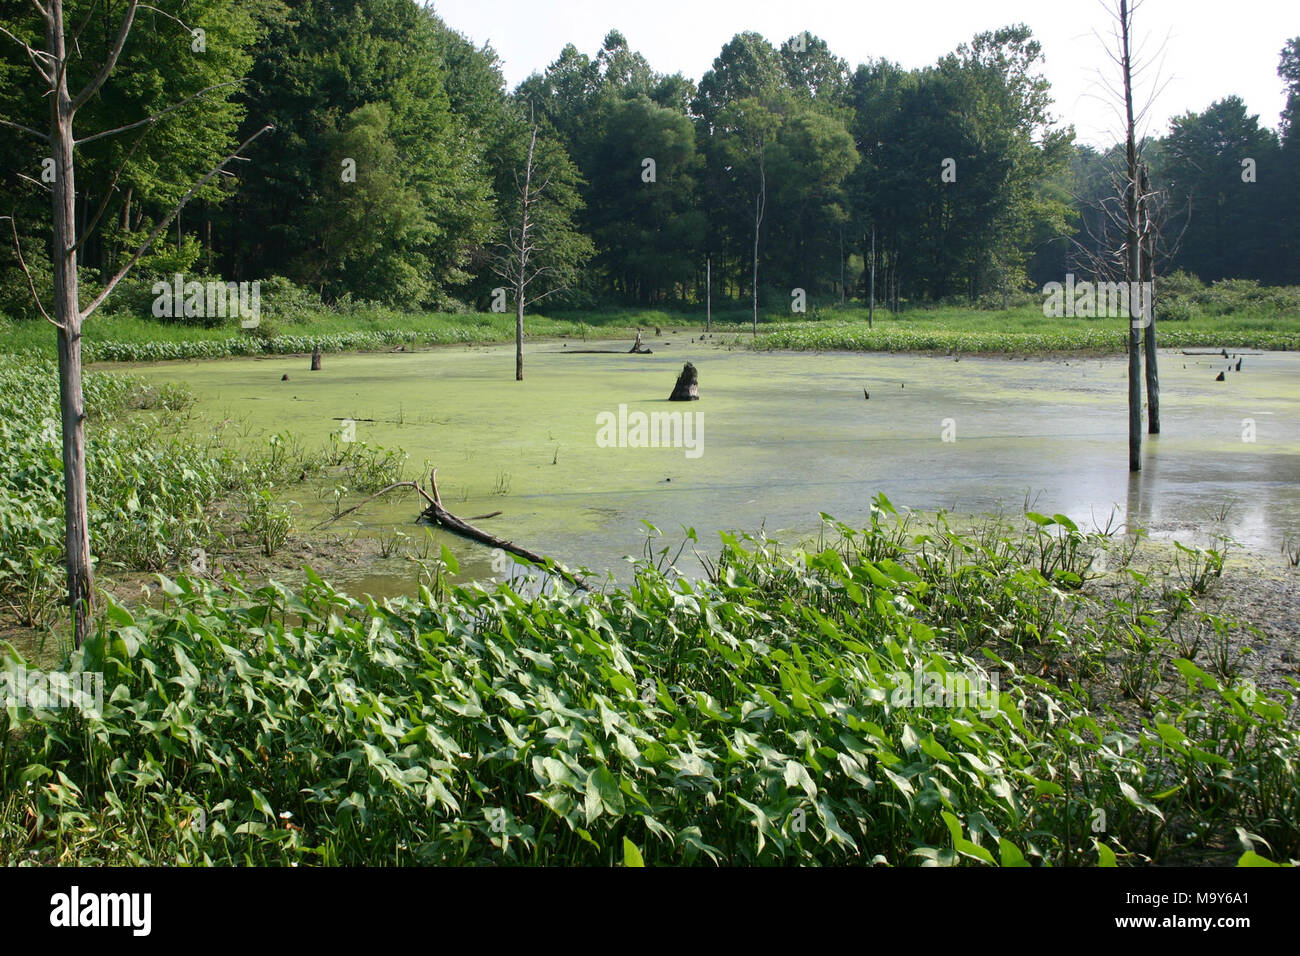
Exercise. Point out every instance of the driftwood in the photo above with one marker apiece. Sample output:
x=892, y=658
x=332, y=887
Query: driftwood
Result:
x=440, y=516
x=382, y=491
x=606, y=352
x=435, y=513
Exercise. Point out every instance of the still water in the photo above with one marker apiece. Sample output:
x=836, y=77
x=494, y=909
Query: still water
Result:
x=779, y=437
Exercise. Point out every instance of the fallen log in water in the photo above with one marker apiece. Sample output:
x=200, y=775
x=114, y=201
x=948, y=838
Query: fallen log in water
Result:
x=437, y=514
x=440, y=516
x=605, y=351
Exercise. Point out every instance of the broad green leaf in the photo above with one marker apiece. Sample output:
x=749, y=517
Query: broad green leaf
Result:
x=631, y=855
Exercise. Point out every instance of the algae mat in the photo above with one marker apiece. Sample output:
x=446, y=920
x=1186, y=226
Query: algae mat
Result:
x=779, y=438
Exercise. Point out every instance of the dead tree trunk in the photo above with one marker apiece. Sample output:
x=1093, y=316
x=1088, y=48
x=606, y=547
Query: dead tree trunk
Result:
x=1132, y=249
x=1149, y=317
x=67, y=311
x=687, y=388
x=315, y=359
x=521, y=286
x=760, y=204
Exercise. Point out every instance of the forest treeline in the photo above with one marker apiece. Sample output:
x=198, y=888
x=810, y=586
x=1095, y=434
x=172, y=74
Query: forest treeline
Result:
x=393, y=172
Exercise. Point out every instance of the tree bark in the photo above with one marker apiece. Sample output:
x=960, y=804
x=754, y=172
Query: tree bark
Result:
x=760, y=203
x=1149, y=332
x=521, y=286
x=871, y=300
x=67, y=312
x=1133, y=252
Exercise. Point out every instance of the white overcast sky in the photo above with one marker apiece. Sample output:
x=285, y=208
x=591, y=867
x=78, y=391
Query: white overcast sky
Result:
x=1202, y=50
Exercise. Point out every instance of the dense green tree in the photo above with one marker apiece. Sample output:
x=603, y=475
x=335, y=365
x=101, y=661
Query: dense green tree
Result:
x=175, y=85
x=391, y=175
x=1220, y=168
x=644, y=216
x=954, y=158
x=1286, y=186
x=310, y=78
x=807, y=209
x=612, y=113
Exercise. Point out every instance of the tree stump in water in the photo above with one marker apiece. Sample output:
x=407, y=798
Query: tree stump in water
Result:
x=315, y=359
x=687, y=388
x=637, y=347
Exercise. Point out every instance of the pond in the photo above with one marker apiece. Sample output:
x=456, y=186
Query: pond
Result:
x=779, y=437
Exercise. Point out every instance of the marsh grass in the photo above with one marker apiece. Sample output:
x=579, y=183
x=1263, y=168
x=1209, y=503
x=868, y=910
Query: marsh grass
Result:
x=1236, y=322
x=754, y=717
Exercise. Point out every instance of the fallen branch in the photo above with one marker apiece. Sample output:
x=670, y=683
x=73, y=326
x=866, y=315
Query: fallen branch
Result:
x=437, y=514
x=603, y=352
x=381, y=491
x=440, y=516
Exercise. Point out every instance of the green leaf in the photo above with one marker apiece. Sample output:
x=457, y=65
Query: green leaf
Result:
x=602, y=794
x=261, y=804
x=1105, y=854
x=796, y=775
x=631, y=855
x=1135, y=798
x=1251, y=858
x=1010, y=853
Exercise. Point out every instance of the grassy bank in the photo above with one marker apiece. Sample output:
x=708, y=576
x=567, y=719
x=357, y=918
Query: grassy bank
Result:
x=162, y=495
x=1019, y=330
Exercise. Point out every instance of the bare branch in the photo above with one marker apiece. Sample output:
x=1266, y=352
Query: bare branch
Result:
x=169, y=16
x=13, y=225
x=538, y=298
x=46, y=186
x=108, y=194
x=114, y=52
x=32, y=54
x=26, y=129
x=81, y=27
x=150, y=120
x=158, y=229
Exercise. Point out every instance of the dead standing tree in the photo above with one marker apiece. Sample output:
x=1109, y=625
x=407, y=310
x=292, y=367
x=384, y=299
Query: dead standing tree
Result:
x=513, y=265
x=51, y=66
x=1124, y=236
x=544, y=245
x=1133, y=249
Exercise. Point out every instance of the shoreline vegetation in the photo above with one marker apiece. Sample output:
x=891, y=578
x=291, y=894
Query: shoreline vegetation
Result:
x=916, y=692
x=1257, y=318
x=185, y=682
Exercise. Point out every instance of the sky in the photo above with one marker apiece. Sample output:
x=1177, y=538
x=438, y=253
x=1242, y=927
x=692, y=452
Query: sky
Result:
x=1197, y=51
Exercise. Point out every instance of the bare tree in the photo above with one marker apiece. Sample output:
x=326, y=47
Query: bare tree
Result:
x=1147, y=244
x=1125, y=233
x=520, y=267
x=760, y=207
x=543, y=246
x=1133, y=249
x=51, y=67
